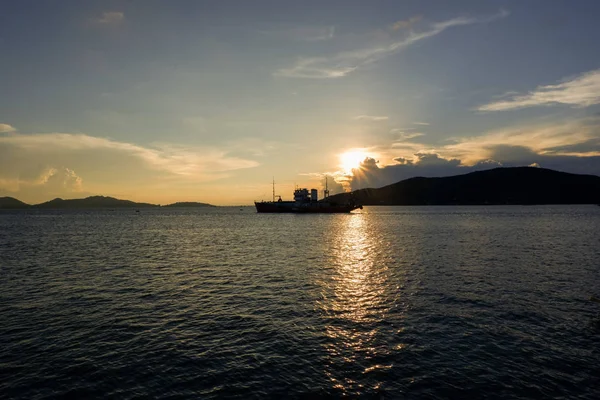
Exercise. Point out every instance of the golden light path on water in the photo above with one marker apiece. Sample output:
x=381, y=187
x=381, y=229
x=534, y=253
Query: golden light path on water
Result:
x=362, y=293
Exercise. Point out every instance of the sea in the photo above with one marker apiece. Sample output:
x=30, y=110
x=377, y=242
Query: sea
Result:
x=224, y=303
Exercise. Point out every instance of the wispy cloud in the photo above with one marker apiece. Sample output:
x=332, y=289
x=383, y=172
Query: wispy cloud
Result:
x=544, y=139
x=581, y=91
x=371, y=118
x=4, y=128
x=110, y=18
x=421, y=123
x=574, y=137
x=407, y=23
x=187, y=161
x=301, y=33
x=402, y=135
x=343, y=63
x=37, y=167
x=312, y=34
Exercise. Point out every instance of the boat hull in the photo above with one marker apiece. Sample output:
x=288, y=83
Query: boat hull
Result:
x=308, y=208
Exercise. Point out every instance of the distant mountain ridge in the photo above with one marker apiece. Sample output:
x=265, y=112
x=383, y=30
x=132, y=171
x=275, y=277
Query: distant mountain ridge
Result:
x=91, y=202
x=87, y=203
x=518, y=185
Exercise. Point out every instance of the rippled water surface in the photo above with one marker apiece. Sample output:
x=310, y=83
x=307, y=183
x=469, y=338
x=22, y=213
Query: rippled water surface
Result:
x=392, y=302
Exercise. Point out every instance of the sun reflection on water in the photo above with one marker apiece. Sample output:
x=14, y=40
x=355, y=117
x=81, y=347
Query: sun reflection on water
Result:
x=358, y=285
x=357, y=307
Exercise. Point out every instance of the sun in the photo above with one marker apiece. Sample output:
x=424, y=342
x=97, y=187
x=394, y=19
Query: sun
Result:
x=351, y=159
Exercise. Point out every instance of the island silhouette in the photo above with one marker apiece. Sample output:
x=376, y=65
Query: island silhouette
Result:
x=516, y=185
x=89, y=202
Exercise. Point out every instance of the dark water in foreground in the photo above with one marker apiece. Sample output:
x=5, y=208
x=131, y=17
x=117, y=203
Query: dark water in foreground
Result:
x=393, y=302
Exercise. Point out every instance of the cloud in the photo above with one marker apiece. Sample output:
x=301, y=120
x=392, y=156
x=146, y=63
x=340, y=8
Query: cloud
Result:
x=5, y=128
x=309, y=33
x=402, y=136
x=319, y=34
x=45, y=176
x=175, y=159
x=343, y=63
x=333, y=186
x=421, y=123
x=371, y=174
x=9, y=185
x=36, y=167
x=302, y=33
x=371, y=118
x=62, y=178
x=50, y=181
x=405, y=24
x=110, y=18
x=570, y=146
x=581, y=91
x=551, y=138
x=574, y=137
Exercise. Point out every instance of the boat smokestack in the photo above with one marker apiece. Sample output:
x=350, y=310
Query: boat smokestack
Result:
x=314, y=195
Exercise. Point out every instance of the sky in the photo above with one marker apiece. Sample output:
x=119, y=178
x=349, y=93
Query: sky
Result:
x=165, y=101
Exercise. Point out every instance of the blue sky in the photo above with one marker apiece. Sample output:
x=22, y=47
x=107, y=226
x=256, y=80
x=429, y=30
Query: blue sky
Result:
x=206, y=101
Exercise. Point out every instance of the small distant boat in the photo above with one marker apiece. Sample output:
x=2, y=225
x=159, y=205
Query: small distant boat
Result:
x=305, y=202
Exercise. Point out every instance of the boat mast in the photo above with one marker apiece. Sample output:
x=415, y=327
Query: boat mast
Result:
x=273, y=189
x=326, y=189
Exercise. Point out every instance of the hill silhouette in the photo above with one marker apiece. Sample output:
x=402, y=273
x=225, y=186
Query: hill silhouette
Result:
x=92, y=202
x=12, y=203
x=88, y=203
x=519, y=185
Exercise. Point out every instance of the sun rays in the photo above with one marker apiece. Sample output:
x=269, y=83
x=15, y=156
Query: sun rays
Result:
x=351, y=160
